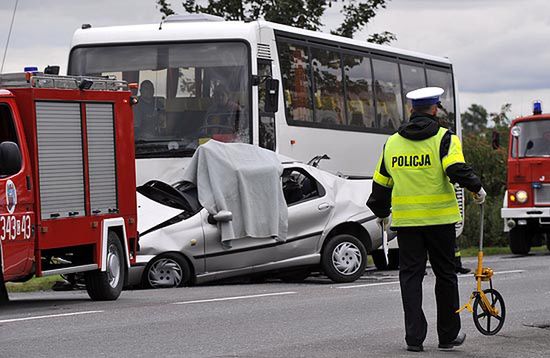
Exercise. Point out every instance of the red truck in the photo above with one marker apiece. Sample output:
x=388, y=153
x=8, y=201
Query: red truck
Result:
x=67, y=180
x=526, y=208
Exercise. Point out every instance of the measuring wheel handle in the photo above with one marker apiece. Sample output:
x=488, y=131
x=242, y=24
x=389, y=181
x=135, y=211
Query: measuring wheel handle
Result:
x=489, y=312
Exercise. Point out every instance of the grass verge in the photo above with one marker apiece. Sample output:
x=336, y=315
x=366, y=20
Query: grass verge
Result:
x=34, y=284
x=497, y=250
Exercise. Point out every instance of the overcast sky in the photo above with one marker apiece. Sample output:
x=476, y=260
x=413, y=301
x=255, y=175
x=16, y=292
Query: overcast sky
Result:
x=498, y=47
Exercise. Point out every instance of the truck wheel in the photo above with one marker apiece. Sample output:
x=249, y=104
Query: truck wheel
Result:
x=167, y=270
x=107, y=285
x=520, y=240
x=344, y=258
x=548, y=240
x=3, y=291
x=380, y=261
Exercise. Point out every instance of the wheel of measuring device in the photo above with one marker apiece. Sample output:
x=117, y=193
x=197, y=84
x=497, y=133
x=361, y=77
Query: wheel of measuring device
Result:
x=486, y=323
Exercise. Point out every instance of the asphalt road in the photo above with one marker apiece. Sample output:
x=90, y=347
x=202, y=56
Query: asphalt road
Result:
x=313, y=319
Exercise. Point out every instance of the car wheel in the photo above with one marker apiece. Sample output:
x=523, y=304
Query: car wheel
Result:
x=107, y=285
x=380, y=261
x=344, y=258
x=520, y=240
x=167, y=270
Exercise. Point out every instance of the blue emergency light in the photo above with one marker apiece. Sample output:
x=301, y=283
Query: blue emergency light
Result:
x=30, y=69
x=537, y=107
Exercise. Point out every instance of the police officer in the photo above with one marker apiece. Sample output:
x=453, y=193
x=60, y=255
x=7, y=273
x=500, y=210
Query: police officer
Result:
x=413, y=182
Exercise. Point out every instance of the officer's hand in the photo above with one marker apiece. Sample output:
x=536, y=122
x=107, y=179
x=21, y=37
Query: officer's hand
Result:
x=385, y=222
x=479, y=197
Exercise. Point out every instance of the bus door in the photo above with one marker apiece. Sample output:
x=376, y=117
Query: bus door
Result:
x=266, y=126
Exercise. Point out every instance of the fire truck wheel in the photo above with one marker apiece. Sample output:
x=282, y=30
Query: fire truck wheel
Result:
x=548, y=240
x=167, y=270
x=107, y=285
x=520, y=240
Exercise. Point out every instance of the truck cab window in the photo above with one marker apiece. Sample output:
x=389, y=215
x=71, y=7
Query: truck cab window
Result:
x=7, y=127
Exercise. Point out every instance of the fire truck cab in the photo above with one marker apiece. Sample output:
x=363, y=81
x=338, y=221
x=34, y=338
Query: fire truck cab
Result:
x=67, y=180
x=526, y=207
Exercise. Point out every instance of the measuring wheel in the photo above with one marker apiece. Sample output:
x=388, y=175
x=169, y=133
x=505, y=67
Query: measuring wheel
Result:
x=485, y=322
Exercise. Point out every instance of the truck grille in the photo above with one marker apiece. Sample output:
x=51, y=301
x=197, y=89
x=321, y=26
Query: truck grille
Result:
x=542, y=195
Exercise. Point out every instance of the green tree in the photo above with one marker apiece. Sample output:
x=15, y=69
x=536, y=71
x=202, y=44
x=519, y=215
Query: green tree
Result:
x=489, y=162
x=474, y=120
x=306, y=14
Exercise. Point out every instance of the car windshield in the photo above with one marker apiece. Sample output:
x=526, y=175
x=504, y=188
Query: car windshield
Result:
x=533, y=140
x=188, y=92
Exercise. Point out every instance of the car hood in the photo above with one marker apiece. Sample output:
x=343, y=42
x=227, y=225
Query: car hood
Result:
x=152, y=213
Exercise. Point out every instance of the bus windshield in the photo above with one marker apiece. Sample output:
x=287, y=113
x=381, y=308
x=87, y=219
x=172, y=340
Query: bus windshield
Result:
x=188, y=92
x=533, y=140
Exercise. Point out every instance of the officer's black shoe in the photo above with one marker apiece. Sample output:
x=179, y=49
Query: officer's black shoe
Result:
x=463, y=270
x=460, y=338
x=419, y=348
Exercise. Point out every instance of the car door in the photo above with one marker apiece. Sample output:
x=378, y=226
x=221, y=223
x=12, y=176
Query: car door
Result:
x=16, y=197
x=309, y=209
x=238, y=254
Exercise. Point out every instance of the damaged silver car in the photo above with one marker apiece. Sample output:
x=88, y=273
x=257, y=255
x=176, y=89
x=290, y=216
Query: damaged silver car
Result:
x=329, y=229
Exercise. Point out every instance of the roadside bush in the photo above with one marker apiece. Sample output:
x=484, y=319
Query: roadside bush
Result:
x=490, y=165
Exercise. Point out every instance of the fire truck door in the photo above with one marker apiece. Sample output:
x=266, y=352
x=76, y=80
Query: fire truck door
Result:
x=16, y=198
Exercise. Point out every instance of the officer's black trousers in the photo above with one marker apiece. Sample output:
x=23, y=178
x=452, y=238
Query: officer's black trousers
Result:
x=415, y=245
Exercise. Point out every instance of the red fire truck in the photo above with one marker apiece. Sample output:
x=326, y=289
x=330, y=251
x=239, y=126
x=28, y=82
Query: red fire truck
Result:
x=67, y=180
x=526, y=210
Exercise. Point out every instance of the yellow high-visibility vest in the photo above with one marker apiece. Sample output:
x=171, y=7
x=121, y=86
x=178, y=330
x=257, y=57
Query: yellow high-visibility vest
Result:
x=421, y=191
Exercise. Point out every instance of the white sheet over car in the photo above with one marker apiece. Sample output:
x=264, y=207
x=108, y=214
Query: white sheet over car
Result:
x=245, y=180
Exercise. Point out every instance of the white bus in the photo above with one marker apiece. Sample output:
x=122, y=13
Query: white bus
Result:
x=201, y=77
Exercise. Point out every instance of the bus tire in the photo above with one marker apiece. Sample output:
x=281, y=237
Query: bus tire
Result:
x=344, y=258
x=107, y=285
x=380, y=261
x=520, y=240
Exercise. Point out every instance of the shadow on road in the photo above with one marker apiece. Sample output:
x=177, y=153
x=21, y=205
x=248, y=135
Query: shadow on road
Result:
x=15, y=305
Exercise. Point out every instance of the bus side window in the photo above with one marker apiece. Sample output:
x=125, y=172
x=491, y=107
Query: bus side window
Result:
x=266, y=135
x=444, y=79
x=412, y=77
x=387, y=90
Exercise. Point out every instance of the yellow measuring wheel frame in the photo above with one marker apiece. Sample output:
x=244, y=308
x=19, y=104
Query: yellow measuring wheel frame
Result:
x=487, y=304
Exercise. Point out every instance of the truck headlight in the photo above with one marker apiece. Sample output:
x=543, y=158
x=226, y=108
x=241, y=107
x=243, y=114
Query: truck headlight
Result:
x=521, y=196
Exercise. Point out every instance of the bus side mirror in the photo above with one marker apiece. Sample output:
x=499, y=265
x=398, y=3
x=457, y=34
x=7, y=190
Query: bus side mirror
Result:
x=10, y=159
x=271, y=95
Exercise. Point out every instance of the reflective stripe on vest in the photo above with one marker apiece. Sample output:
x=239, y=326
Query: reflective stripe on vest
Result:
x=422, y=193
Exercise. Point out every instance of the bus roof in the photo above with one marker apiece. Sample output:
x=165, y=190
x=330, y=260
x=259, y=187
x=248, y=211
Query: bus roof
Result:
x=215, y=30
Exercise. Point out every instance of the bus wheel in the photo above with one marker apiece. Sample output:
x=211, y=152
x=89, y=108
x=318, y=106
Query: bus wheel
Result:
x=344, y=258
x=520, y=240
x=107, y=285
x=380, y=261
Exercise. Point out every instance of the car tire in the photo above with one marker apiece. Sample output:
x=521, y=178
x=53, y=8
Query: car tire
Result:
x=344, y=258
x=520, y=240
x=380, y=261
x=165, y=271
x=107, y=285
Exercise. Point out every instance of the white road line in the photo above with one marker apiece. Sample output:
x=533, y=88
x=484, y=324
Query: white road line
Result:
x=370, y=284
x=511, y=271
x=47, y=316
x=235, y=298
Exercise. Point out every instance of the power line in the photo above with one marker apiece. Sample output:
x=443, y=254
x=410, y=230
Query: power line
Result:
x=9, y=36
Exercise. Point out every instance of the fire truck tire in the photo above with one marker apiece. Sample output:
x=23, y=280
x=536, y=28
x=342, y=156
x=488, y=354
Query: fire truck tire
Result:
x=548, y=240
x=107, y=285
x=3, y=291
x=520, y=240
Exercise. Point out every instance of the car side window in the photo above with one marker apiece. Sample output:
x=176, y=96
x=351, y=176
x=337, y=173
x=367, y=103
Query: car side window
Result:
x=299, y=186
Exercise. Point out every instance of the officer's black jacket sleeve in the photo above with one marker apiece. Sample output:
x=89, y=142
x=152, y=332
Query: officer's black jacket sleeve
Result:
x=460, y=173
x=380, y=198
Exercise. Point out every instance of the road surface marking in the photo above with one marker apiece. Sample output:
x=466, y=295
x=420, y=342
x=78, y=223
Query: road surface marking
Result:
x=495, y=273
x=235, y=298
x=47, y=316
x=370, y=284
